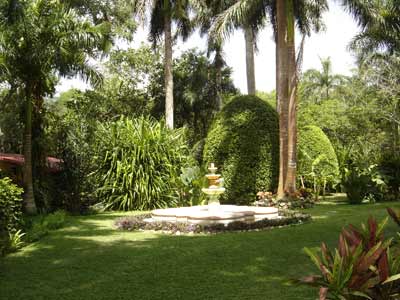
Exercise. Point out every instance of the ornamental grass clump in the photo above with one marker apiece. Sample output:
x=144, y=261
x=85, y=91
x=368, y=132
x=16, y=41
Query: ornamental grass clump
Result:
x=139, y=163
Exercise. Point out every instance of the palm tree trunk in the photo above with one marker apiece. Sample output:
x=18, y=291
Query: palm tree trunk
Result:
x=277, y=74
x=29, y=198
x=250, y=68
x=290, y=184
x=169, y=80
x=282, y=94
x=218, y=74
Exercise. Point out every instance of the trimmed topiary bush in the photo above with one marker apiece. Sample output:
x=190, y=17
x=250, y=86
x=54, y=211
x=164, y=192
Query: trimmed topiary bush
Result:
x=317, y=160
x=244, y=144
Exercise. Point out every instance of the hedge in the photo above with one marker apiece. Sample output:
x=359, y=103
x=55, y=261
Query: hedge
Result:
x=314, y=147
x=244, y=143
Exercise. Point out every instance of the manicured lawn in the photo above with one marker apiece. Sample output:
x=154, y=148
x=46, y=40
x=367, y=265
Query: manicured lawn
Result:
x=88, y=259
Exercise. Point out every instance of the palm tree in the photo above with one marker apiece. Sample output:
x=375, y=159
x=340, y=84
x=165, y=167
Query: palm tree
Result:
x=319, y=84
x=39, y=41
x=163, y=14
x=380, y=25
x=284, y=16
x=250, y=24
x=206, y=12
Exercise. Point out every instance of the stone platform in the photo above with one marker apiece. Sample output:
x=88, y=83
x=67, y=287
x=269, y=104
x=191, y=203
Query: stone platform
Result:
x=213, y=214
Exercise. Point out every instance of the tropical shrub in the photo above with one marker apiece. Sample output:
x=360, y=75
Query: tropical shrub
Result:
x=55, y=220
x=192, y=179
x=390, y=167
x=15, y=241
x=36, y=232
x=139, y=163
x=363, y=182
x=75, y=141
x=244, y=143
x=317, y=161
x=362, y=267
x=43, y=224
x=10, y=211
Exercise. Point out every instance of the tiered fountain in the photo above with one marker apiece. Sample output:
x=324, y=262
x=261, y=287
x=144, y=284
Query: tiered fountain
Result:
x=214, y=212
x=214, y=189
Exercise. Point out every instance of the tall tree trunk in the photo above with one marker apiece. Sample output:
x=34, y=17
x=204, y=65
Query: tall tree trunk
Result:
x=218, y=63
x=250, y=68
x=282, y=93
x=169, y=80
x=290, y=184
x=29, y=198
x=277, y=73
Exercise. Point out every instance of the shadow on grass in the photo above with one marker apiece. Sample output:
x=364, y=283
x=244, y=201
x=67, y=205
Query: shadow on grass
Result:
x=89, y=259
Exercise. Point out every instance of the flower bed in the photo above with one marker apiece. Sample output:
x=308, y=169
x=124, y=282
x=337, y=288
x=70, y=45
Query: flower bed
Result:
x=134, y=223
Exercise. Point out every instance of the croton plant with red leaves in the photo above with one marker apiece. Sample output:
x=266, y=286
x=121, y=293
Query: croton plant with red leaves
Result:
x=362, y=266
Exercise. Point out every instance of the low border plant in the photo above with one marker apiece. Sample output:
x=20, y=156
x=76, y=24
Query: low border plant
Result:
x=42, y=225
x=134, y=223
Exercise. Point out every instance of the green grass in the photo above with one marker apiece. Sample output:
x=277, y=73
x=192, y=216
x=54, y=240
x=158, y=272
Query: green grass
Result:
x=89, y=259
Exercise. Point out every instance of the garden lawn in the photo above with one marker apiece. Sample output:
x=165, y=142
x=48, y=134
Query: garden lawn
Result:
x=89, y=259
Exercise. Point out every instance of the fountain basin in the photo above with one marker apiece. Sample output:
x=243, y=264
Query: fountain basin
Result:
x=213, y=214
x=213, y=190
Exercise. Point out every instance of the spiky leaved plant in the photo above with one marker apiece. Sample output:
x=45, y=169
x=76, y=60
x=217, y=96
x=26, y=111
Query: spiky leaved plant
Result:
x=139, y=163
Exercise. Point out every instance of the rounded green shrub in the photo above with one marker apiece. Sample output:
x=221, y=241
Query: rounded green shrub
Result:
x=316, y=156
x=244, y=144
x=139, y=163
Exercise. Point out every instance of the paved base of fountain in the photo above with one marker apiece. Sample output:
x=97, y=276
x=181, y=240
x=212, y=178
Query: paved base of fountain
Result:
x=213, y=214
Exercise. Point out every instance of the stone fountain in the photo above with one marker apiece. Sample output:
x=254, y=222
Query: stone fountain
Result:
x=213, y=212
x=215, y=188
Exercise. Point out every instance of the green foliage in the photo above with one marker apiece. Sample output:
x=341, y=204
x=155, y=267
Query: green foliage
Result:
x=390, y=168
x=244, y=144
x=55, y=220
x=43, y=224
x=91, y=246
x=193, y=180
x=134, y=86
x=139, y=163
x=362, y=267
x=11, y=127
x=195, y=92
x=270, y=97
x=363, y=182
x=73, y=140
x=15, y=241
x=38, y=231
x=10, y=211
x=317, y=161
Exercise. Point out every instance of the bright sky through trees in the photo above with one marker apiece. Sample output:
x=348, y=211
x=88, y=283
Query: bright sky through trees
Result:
x=341, y=28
